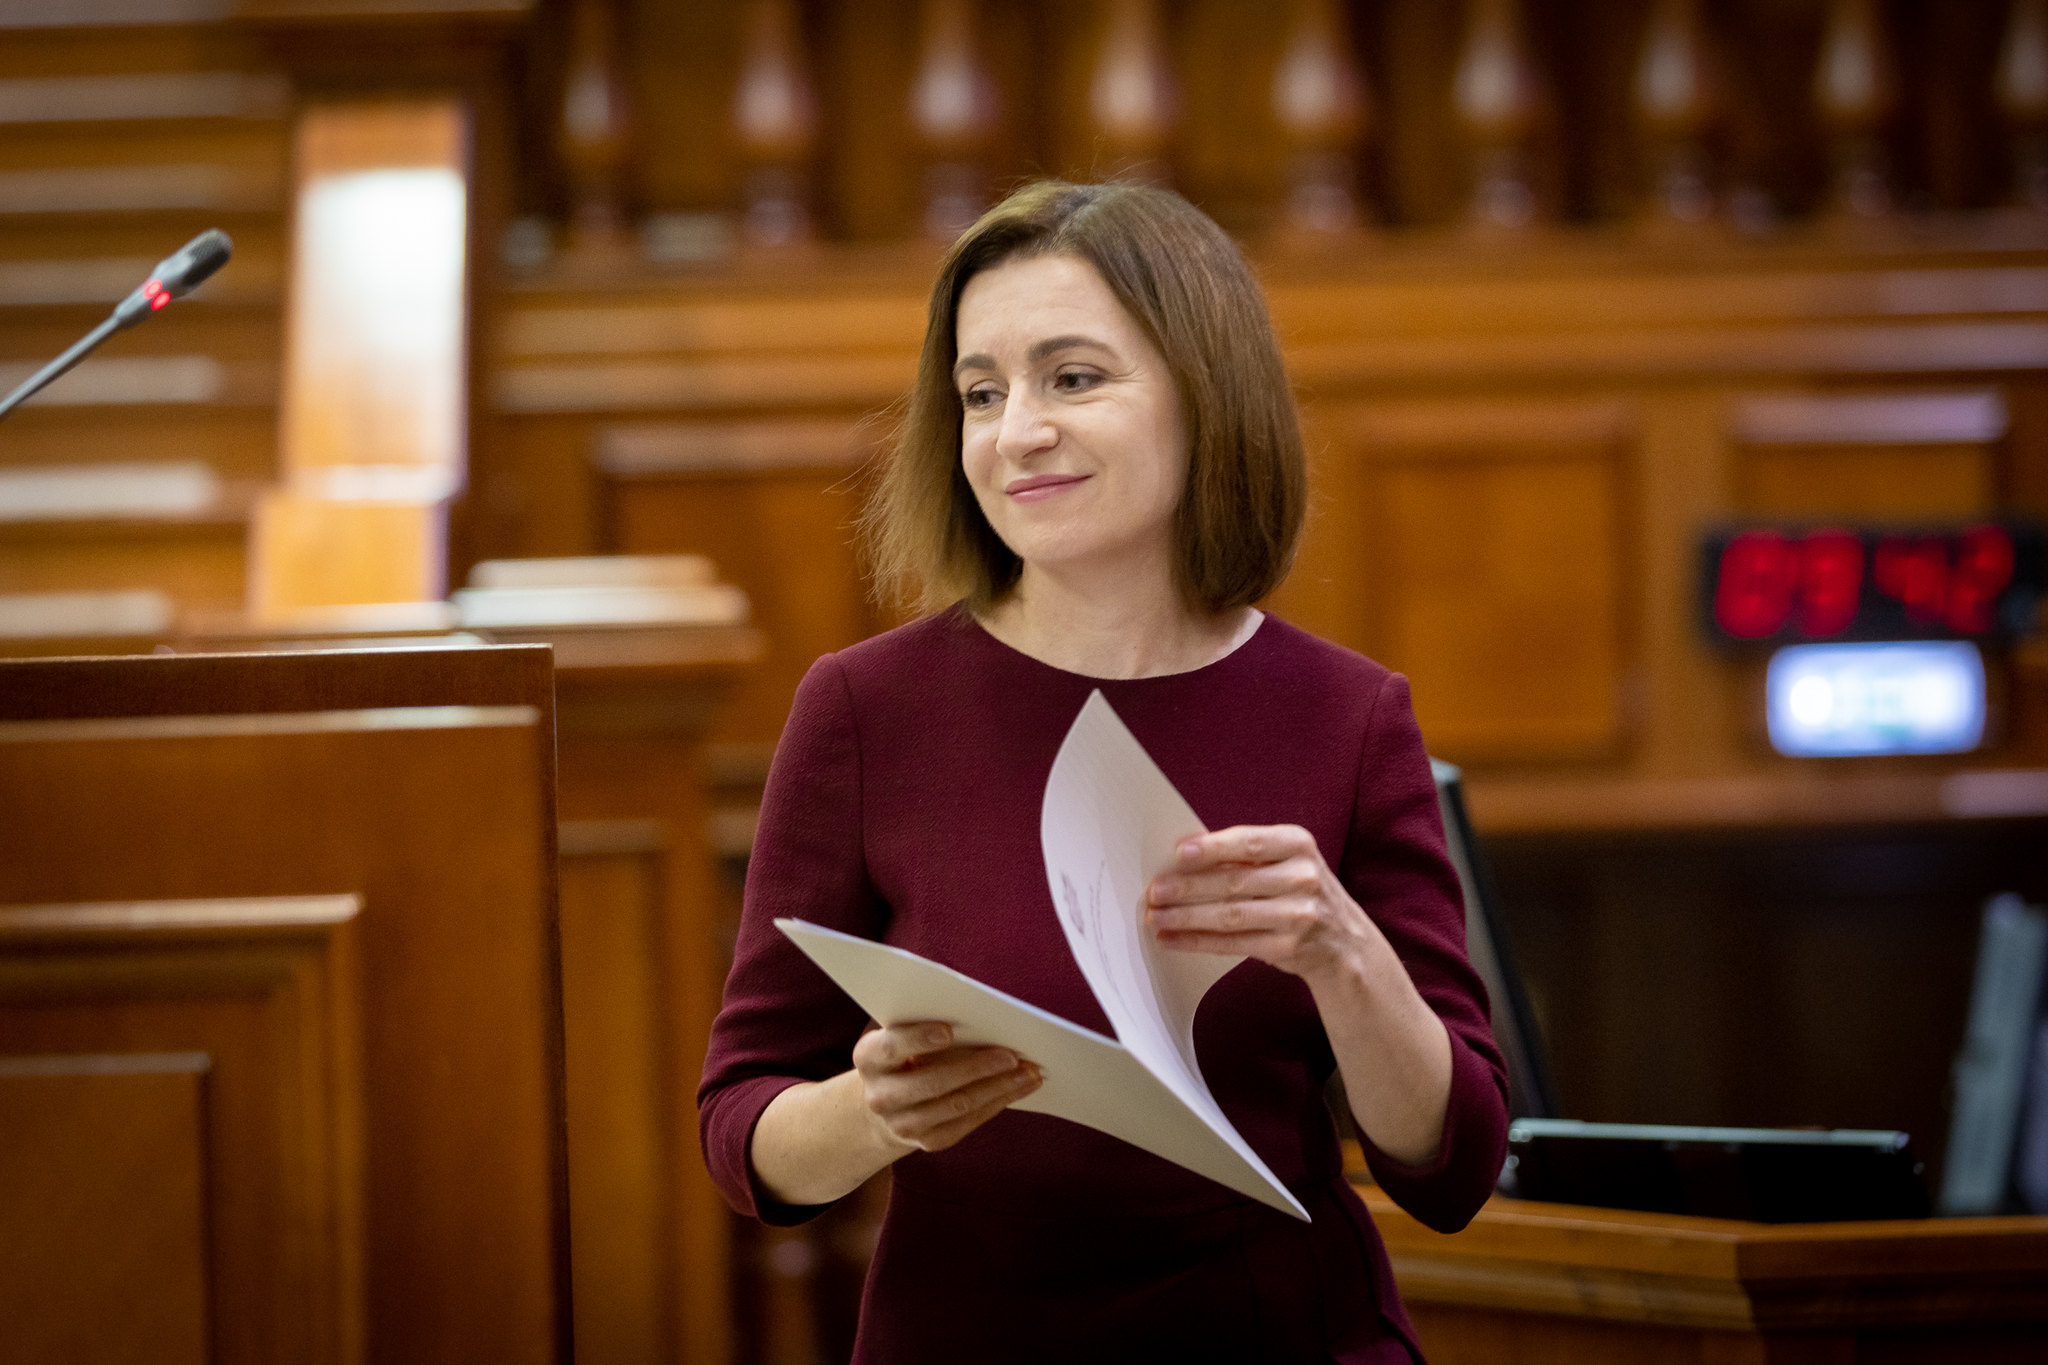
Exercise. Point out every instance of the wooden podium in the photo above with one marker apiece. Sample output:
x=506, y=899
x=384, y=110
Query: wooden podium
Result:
x=643, y=950
x=1556, y=1284
x=280, y=1024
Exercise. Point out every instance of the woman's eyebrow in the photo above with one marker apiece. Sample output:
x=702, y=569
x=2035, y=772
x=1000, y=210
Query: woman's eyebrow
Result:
x=1054, y=345
x=981, y=360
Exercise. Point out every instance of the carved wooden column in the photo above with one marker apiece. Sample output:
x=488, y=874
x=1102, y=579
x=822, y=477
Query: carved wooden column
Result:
x=1319, y=102
x=1131, y=97
x=953, y=108
x=2022, y=88
x=1495, y=97
x=1855, y=90
x=595, y=131
x=775, y=120
x=1674, y=104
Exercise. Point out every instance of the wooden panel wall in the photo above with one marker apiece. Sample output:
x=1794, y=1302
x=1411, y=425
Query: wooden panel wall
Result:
x=1933, y=455
x=757, y=498
x=1511, y=473
x=1470, y=540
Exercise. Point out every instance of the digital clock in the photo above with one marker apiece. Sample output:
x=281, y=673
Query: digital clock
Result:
x=1767, y=585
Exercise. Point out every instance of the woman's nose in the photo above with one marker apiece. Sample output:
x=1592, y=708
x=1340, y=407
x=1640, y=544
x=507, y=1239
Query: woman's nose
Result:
x=1026, y=427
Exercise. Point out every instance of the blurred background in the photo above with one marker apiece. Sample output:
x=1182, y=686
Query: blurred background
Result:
x=1639, y=344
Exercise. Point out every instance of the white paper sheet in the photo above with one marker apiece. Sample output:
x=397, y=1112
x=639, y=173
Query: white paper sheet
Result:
x=1109, y=825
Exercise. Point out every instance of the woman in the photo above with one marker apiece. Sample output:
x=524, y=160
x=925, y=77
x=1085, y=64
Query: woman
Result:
x=1100, y=474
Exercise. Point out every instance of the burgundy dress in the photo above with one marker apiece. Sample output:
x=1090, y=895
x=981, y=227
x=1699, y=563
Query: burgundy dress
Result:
x=904, y=806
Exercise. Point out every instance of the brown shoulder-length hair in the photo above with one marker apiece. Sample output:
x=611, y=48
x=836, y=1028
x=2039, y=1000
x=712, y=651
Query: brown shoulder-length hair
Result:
x=1186, y=284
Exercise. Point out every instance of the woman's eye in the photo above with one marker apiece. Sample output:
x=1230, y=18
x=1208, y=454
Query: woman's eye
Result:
x=978, y=398
x=1075, y=381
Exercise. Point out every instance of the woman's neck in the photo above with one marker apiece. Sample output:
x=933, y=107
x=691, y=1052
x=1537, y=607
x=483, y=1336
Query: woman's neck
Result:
x=1134, y=628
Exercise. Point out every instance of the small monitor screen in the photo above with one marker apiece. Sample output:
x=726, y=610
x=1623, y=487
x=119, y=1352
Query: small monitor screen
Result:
x=1913, y=697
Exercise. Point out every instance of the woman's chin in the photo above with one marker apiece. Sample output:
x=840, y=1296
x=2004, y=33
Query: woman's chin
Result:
x=1077, y=560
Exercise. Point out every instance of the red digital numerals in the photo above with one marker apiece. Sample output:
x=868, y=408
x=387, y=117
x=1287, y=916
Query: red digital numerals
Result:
x=1830, y=582
x=1753, y=591
x=1768, y=580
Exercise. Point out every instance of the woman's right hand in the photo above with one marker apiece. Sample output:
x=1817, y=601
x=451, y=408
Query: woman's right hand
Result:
x=924, y=1094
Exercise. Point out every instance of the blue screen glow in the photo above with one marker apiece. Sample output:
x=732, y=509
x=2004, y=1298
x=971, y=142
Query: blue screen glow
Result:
x=1922, y=697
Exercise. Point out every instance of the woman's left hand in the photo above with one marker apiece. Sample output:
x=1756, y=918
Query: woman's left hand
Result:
x=1264, y=891
x=1260, y=891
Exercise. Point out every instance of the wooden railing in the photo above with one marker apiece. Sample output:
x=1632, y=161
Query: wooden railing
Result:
x=765, y=125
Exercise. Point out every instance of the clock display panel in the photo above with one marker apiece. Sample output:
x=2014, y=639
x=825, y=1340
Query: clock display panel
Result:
x=1776, y=585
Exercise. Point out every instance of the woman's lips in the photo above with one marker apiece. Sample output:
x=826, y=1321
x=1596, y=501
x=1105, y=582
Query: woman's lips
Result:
x=1041, y=486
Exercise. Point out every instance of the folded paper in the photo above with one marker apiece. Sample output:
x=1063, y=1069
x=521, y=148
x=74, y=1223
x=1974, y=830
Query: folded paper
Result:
x=1109, y=824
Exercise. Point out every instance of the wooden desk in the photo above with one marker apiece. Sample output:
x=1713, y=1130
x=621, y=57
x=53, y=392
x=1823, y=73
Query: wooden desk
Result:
x=1530, y=1282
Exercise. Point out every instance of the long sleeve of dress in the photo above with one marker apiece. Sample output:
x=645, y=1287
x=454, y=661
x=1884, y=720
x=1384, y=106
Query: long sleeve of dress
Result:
x=1396, y=866
x=783, y=1020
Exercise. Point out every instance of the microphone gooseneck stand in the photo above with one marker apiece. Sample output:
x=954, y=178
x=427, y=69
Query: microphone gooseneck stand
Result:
x=174, y=277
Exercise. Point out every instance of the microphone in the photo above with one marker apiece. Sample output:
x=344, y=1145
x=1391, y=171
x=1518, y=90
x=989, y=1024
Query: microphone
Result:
x=175, y=276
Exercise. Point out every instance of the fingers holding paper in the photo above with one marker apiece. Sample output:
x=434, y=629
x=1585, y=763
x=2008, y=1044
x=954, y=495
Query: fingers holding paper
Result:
x=925, y=1094
x=1264, y=891
x=1260, y=891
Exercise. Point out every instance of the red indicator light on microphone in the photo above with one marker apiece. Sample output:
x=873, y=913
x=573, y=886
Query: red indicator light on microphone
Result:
x=157, y=295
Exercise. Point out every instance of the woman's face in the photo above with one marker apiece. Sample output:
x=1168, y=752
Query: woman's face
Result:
x=1071, y=429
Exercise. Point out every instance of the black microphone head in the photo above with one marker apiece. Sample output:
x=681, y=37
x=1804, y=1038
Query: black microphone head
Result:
x=193, y=263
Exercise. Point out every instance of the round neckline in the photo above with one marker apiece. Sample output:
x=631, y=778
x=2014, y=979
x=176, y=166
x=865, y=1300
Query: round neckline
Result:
x=1241, y=648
